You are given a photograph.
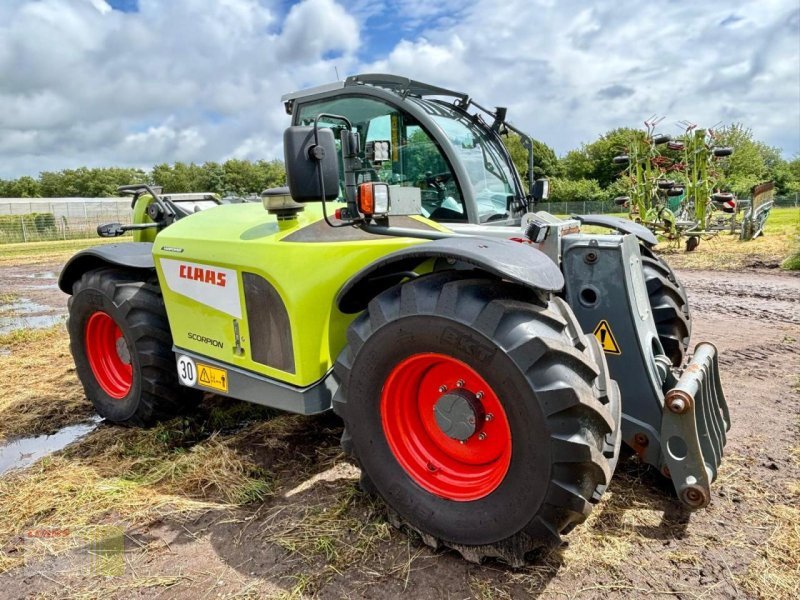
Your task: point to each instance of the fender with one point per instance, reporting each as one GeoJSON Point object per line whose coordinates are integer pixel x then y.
{"type": "Point", "coordinates": [623, 225]}
{"type": "Point", "coordinates": [133, 255]}
{"type": "Point", "coordinates": [509, 260]}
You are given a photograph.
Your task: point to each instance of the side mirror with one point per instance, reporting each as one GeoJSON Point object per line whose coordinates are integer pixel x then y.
{"type": "Point", "coordinates": [541, 189]}
{"type": "Point", "coordinates": [110, 230]}
{"type": "Point", "coordinates": [622, 159]}
{"type": "Point", "coordinates": [661, 138]}
{"type": "Point", "coordinates": [311, 165]}
{"type": "Point", "coordinates": [719, 152]}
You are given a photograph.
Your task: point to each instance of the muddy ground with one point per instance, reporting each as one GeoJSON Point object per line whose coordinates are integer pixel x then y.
{"type": "Point", "coordinates": [315, 535]}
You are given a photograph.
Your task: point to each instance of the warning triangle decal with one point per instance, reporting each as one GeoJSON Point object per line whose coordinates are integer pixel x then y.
{"type": "Point", "coordinates": [205, 378]}
{"type": "Point", "coordinates": [607, 341]}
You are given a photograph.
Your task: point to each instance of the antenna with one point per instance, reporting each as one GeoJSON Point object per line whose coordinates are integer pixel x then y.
{"type": "Point", "coordinates": [336, 70]}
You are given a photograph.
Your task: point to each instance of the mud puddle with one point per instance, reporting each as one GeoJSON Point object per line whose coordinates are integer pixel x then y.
{"type": "Point", "coordinates": [25, 313]}
{"type": "Point", "coordinates": [30, 299]}
{"type": "Point", "coordinates": [23, 452]}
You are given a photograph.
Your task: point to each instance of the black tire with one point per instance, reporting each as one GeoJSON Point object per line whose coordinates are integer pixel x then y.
{"type": "Point", "coordinates": [552, 381]}
{"type": "Point", "coordinates": [670, 306]}
{"type": "Point", "coordinates": [137, 308]}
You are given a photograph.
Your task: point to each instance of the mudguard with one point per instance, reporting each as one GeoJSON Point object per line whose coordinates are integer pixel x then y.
{"type": "Point", "coordinates": [513, 261]}
{"type": "Point", "coordinates": [133, 255]}
{"type": "Point", "coordinates": [621, 225]}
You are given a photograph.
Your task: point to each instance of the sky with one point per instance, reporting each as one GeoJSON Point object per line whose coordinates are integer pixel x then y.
{"type": "Point", "coordinates": [140, 82]}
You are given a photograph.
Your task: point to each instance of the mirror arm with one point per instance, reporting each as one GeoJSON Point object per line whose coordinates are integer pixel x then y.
{"type": "Point", "coordinates": [349, 176]}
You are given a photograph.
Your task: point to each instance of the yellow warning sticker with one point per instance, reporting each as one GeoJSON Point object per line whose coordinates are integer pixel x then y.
{"type": "Point", "coordinates": [212, 377]}
{"type": "Point", "coordinates": [607, 341]}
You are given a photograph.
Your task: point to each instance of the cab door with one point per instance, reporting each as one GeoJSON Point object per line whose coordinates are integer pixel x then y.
{"type": "Point", "coordinates": [410, 155]}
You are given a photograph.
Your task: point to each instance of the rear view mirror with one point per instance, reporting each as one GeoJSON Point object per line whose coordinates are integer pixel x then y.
{"type": "Point", "coordinates": [110, 230]}
{"type": "Point", "coordinates": [311, 164]}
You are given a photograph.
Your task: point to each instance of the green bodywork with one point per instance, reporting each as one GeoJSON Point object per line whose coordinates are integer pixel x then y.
{"type": "Point", "coordinates": [307, 275]}
{"type": "Point", "coordinates": [140, 216]}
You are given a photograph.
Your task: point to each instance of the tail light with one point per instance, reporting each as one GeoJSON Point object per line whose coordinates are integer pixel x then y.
{"type": "Point", "coordinates": [373, 199]}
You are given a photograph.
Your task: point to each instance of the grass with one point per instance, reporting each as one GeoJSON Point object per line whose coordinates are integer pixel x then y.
{"type": "Point", "coordinates": [40, 392]}
{"type": "Point", "coordinates": [127, 478]}
{"type": "Point", "coordinates": [43, 252]}
{"type": "Point", "coordinates": [186, 468]}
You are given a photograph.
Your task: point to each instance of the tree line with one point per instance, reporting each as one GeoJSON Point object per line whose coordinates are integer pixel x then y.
{"type": "Point", "coordinates": [232, 177]}
{"type": "Point", "coordinates": [587, 173]}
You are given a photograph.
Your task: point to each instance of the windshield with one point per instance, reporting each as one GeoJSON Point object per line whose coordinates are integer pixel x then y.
{"type": "Point", "coordinates": [494, 185]}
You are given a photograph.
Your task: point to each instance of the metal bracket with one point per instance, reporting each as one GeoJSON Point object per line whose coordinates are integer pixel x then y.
{"type": "Point", "coordinates": [693, 427]}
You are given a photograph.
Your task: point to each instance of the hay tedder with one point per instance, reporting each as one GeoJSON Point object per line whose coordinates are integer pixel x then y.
{"type": "Point", "coordinates": [674, 188]}
{"type": "Point", "coordinates": [487, 360]}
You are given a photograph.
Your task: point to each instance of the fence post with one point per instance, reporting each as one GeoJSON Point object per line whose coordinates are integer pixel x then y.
{"type": "Point", "coordinates": [22, 223]}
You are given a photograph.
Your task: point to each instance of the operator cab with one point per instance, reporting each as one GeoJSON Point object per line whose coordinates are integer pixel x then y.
{"type": "Point", "coordinates": [412, 139]}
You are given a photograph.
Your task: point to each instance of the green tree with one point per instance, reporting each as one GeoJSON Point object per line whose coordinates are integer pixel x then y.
{"type": "Point", "coordinates": [793, 180]}
{"type": "Point", "coordinates": [545, 161]}
{"type": "Point", "coordinates": [752, 162]}
{"type": "Point", "coordinates": [568, 190]}
{"type": "Point", "coordinates": [576, 164]}
{"type": "Point", "coordinates": [24, 187]}
{"type": "Point", "coordinates": [595, 160]}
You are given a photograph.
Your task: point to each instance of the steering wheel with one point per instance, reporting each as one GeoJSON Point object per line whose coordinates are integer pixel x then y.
{"type": "Point", "coordinates": [439, 180]}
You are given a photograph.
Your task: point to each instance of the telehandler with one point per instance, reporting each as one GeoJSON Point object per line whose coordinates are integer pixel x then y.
{"type": "Point", "coordinates": [487, 360]}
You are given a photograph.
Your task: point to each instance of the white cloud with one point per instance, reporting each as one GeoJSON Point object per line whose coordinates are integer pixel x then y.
{"type": "Point", "coordinates": [201, 79]}
{"type": "Point", "coordinates": [569, 71]}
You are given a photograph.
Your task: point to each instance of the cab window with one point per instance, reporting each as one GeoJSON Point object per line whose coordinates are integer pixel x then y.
{"type": "Point", "coordinates": [410, 157]}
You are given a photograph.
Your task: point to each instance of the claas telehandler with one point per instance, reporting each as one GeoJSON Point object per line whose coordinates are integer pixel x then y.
{"type": "Point", "coordinates": [487, 360]}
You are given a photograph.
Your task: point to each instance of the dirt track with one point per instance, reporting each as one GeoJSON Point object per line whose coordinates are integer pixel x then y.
{"type": "Point", "coordinates": [638, 541]}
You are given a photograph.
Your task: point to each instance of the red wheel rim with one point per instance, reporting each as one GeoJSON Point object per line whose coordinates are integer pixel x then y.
{"type": "Point", "coordinates": [108, 354]}
{"type": "Point", "coordinates": [461, 470]}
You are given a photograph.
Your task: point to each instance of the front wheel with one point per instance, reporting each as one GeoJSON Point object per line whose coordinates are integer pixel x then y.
{"type": "Point", "coordinates": [479, 412]}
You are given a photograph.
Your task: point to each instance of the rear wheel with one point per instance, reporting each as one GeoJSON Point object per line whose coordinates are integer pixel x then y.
{"type": "Point", "coordinates": [669, 304]}
{"type": "Point", "coordinates": [122, 347]}
{"type": "Point", "coordinates": [478, 411]}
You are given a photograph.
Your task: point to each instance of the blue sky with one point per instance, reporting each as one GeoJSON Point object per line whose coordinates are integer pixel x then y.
{"type": "Point", "coordinates": [139, 82]}
{"type": "Point", "coordinates": [124, 5]}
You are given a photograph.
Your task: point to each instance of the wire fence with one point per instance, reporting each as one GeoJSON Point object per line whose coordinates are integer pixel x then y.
{"type": "Point", "coordinates": [40, 219]}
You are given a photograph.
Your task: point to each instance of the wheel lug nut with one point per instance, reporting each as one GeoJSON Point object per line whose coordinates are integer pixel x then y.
{"type": "Point", "coordinates": [479, 395]}
{"type": "Point", "coordinates": [442, 389]}
{"type": "Point", "coordinates": [482, 436]}
{"type": "Point", "coordinates": [460, 383]}
{"type": "Point", "coordinates": [489, 416]}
